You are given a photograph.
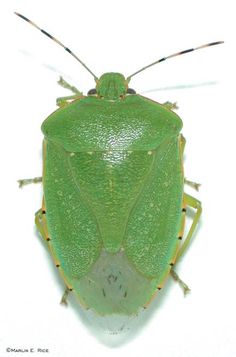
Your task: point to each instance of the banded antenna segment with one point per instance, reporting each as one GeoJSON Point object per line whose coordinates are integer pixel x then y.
{"type": "Point", "coordinates": [175, 55]}
{"type": "Point", "coordinates": [58, 42]}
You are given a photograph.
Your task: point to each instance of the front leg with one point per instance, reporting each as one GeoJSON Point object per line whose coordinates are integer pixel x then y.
{"type": "Point", "coordinates": [66, 85]}
{"type": "Point", "coordinates": [24, 182]}
{"type": "Point", "coordinates": [170, 105]}
{"type": "Point", "coordinates": [62, 101]}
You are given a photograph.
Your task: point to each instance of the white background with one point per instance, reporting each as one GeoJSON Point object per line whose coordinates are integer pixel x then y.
{"type": "Point", "coordinates": [120, 36]}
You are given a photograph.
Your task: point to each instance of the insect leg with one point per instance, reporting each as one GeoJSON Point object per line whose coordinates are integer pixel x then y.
{"type": "Point", "coordinates": [182, 144]}
{"type": "Point", "coordinates": [65, 296]}
{"type": "Point", "coordinates": [66, 85]}
{"type": "Point", "coordinates": [25, 182]}
{"type": "Point", "coordinates": [192, 184]}
{"type": "Point", "coordinates": [170, 105]}
{"type": "Point", "coordinates": [62, 101]}
{"type": "Point", "coordinates": [40, 224]}
{"type": "Point", "coordinates": [193, 203]}
{"type": "Point", "coordinates": [182, 284]}
{"type": "Point", "coordinates": [173, 273]}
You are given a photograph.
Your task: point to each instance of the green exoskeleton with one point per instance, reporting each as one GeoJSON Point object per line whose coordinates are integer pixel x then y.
{"type": "Point", "coordinates": [114, 206]}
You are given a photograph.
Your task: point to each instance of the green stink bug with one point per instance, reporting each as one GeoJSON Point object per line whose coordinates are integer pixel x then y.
{"type": "Point", "coordinates": [114, 205]}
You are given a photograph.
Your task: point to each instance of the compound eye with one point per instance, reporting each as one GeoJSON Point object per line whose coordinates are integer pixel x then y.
{"type": "Point", "coordinates": [131, 91]}
{"type": "Point", "coordinates": [92, 91]}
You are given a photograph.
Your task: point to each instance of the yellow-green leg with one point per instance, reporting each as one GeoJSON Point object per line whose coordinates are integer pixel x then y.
{"type": "Point", "coordinates": [66, 85]}
{"type": "Point", "coordinates": [181, 283]}
{"type": "Point", "coordinates": [25, 182]}
{"type": "Point", "coordinates": [62, 101]}
{"type": "Point", "coordinates": [39, 223]}
{"type": "Point", "coordinates": [192, 184]}
{"type": "Point", "coordinates": [170, 105]}
{"type": "Point", "coordinates": [65, 296]}
{"type": "Point", "coordinates": [193, 203]}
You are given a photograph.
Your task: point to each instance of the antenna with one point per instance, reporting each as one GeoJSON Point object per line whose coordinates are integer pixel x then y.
{"type": "Point", "coordinates": [175, 55]}
{"type": "Point", "coordinates": [59, 43]}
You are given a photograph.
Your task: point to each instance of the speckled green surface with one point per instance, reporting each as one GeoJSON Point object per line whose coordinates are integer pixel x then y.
{"type": "Point", "coordinates": [113, 188]}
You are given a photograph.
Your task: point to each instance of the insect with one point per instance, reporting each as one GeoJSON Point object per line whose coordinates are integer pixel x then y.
{"type": "Point", "coordinates": [114, 206]}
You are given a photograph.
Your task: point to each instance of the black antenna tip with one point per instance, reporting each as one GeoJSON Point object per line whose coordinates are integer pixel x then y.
{"type": "Point", "coordinates": [23, 17]}
{"type": "Point", "coordinates": [216, 43]}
